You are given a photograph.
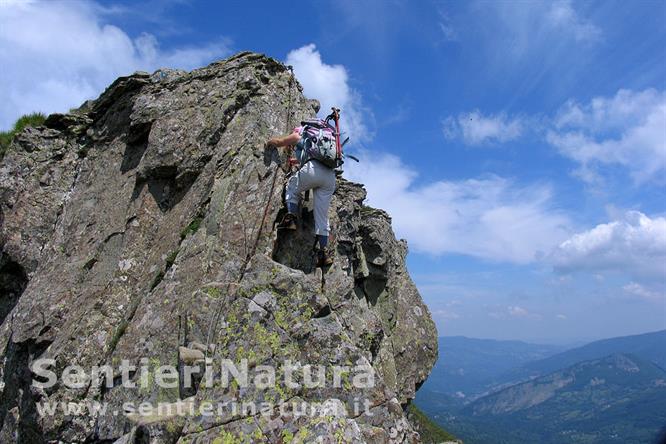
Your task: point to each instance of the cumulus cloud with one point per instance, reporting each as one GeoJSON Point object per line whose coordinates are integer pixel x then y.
{"type": "Point", "coordinates": [62, 53]}
{"type": "Point", "coordinates": [644, 293]}
{"type": "Point", "coordinates": [490, 217]}
{"type": "Point", "coordinates": [628, 129]}
{"type": "Point", "coordinates": [330, 85]}
{"type": "Point", "coordinates": [635, 244]}
{"type": "Point", "coordinates": [475, 129]}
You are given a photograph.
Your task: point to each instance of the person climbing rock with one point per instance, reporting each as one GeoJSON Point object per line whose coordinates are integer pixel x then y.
{"type": "Point", "coordinates": [315, 175]}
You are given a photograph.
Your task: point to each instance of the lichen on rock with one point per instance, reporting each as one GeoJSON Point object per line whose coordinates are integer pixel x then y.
{"type": "Point", "coordinates": [140, 228]}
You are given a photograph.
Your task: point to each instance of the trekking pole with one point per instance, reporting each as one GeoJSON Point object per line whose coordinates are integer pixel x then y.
{"type": "Point", "coordinates": [335, 115]}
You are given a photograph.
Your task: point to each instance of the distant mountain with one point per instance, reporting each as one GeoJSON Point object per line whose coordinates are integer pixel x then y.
{"type": "Point", "coordinates": [648, 346]}
{"type": "Point", "coordinates": [516, 392]}
{"type": "Point", "coordinates": [468, 366]}
{"type": "Point", "coordinates": [618, 398]}
{"type": "Point", "coordinates": [437, 405]}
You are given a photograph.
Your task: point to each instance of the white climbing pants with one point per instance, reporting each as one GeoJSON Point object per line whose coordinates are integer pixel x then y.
{"type": "Point", "coordinates": [319, 178]}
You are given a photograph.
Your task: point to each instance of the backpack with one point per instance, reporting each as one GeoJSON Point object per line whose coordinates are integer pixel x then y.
{"type": "Point", "coordinates": [320, 142]}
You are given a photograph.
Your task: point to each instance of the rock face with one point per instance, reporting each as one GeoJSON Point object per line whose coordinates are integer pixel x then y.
{"type": "Point", "coordinates": [139, 228]}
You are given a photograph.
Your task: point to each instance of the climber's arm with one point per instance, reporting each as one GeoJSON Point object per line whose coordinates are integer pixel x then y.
{"type": "Point", "coordinates": [291, 139]}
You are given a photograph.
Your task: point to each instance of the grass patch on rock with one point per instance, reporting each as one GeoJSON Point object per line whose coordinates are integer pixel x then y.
{"type": "Point", "coordinates": [34, 119]}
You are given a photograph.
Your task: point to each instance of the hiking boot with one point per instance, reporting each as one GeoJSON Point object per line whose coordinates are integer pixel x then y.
{"type": "Point", "coordinates": [288, 222]}
{"type": "Point", "coordinates": [324, 258]}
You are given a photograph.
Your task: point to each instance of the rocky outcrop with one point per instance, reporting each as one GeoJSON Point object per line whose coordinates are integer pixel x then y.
{"type": "Point", "coordinates": [139, 229]}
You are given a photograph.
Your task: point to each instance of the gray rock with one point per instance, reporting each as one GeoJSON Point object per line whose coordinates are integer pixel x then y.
{"type": "Point", "coordinates": [141, 225]}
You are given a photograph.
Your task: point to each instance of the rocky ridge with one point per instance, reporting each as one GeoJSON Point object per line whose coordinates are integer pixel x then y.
{"type": "Point", "coordinates": [140, 227]}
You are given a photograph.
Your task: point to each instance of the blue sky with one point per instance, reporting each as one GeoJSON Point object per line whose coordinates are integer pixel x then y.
{"type": "Point", "coordinates": [519, 146]}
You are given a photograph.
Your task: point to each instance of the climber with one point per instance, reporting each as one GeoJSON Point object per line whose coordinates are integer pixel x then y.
{"type": "Point", "coordinates": [311, 175]}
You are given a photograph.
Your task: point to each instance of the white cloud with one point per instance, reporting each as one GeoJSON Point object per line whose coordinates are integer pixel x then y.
{"type": "Point", "coordinates": [445, 314]}
{"type": "Point", "coordinates": [330, 85]}
{"type": "Point", "coordinates": [538, 29]}
{"type": "Point", "coordinates": [636, 245]}
{"type": "Point", "coordinates": [490, 218]}
{"type": "Point", "coordinates": [514, 311]}
{"type": "Point", "coordinates": [628, 129]}
{"type": "Point", "coordinates": [561, 317]}
{"type": "Point", "coordinates": [450, 34]}
{"type": "Point", "coordinates": [400, 114]}
{"type": "Point", "coordinates": [446, 26]}
{"type": "Point", "coordinates": [644, 293]}
{"type": "Point", "coordinates": [562, 16]}
{"type": "Point", "coordinates": [517, 312]}
{"type": "Point", "coordinates": [63, 53]}
{"type": "Point", "coordinates": [476, 129]}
